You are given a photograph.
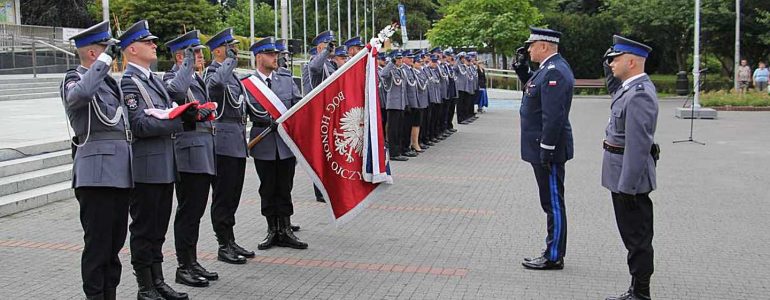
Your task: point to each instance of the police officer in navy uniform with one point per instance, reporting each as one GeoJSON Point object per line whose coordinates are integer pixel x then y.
{"type": "Point", "coordinates": [394, 85]}
{"type": "Point", "coordinates": [153, 163]}
{"type": "Point", "coordinates": [226, 90]}
{"type": "Point", "coordinates": [628, 167]}
{"type": "Point", "coordinates": [411, 112]}
{"type": "Point", "coordinates": [453, 93]}
{"type": "Point", "coordinates": [461, 84]}
{"type": "Point", "coordinates": [102, 176]}
{"type": "Point", "coordinates": [194, 146]}
{"type": "Point", "coordinates": [274, 162]}
{"type": "Point", "coordinates": [546, 138]}
{"type": "Point", "coordinates": [320, 66]}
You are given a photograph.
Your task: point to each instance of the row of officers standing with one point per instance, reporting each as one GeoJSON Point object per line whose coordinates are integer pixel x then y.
{"type": "Point", "coordinates": [129, 161]}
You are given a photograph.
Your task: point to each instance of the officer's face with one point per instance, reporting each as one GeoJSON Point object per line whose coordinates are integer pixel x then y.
{"type": "Point", "coordinates": [354, 50]}
{"type": "Point", "coordinates": [268, 60]}
{"type": "Point", "coordinates": [199, 61]}
{"type": "Point", "coordinates": [399, 61]}
{"type": "Point", "coordinates": [143, 51]}
{"type": "Point", "coordinates": [619, 66]}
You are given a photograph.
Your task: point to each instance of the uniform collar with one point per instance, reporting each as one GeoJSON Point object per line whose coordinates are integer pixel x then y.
{"type": "Point", "coordinates": [264, 77]}
{"type": "Point", "coordinates": [144, 71]}
{"type": "Point", "coordinates": [542, 65]}
{"type": "Point", "coordinates": [627, 82]}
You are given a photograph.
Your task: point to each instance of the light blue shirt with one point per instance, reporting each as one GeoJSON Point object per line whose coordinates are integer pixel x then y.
{"type": "Point", "coordinates": [761, 75]}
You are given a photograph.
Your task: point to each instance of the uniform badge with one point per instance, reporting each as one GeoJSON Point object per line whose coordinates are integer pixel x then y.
{"type": "Point", "coordinates": [552, 83]}
{"type": "Point", "coordinates": [130, 101]}
{"type": "Point", "coordinates": [551, 66]}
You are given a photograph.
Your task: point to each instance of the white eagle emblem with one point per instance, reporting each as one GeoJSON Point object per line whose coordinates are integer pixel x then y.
{"type": "Point", "coordinates": [350, 139]}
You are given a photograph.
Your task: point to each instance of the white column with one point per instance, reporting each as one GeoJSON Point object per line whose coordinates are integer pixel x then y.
{"type": "Point", "coordinates": [696, 59]}
{"type": "Point", "coordinates": [737, 42]}
{"type": "Point", "coordinates": [105, 10]}
{"type": "Point", "coordinates": [304, 28]}
{"type": "Point", "coordinates": [284, 19]}
{"type": "Point", "coordinates": [251, 32]}
{"type": "Point", "coordinates": [275, 22]}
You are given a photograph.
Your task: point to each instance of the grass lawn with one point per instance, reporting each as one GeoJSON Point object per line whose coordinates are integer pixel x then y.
{"type": "Point", "coordinates": [729, 98]}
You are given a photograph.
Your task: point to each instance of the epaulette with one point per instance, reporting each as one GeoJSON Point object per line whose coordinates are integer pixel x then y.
{"type": "Point", "coordinates": [283, 74]}
{"type": "Point", "coordinates": [242, 77]}
{"type": "Point", "coordinates": [550, 66]}
{"type": "Point", "coordinates": [640, 87]}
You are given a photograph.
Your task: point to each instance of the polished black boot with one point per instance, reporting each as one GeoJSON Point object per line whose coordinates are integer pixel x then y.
{"type": "Point", "coordinates": [226, 253]}
{"type": "Point", "coordinates": [202, 272]}
{"type": "Point", "coordinates": [237, 248]}
{"type": "Point", "coordinates": [146, 289]}
{"type": "Point", "coordinates": [185, 274]}
{"type": "Point", "coordinates": [164, 289]}
{"type": "Point", "coordinates": [639, 290]}
{"type": "Point", "coordinates": [272, 234]}
{"type": "Point", "coordinates": [286, 237]}
{"type": "Point", "coordinates": [98, 297]}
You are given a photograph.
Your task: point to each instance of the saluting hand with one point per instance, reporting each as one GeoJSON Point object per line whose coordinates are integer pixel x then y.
{"type": "Point", "coordinates": [232, 53]}
{"type": "Point", "coordinates": [112, 50]}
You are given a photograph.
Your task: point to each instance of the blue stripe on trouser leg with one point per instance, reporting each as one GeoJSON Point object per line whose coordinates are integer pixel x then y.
{"type": "Point", "coordinates": [556, 209]}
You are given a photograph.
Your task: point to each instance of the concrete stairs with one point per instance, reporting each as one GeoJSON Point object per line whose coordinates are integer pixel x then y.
{"type": "Point", "coordinates": [34, 175]}
{"type": "Point", "coordinates": [26, 89]}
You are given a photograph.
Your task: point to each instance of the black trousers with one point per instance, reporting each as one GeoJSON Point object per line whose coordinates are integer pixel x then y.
{"type": "Point", "coordinates": [104, 217]}
{"type": "Point", "coordinates": [406, 129]}
{"type": "Point", "coordinates": [192, 194]}
{"type": "Point", "coordinates": [150, 213]}
{"type": "Point", "coordinates": [462, 107]}
{"type": "Point", "coordinates": [226, 192]}
{"type": "Point", "coordinates": [276, 179]}
{"type": "Point", "coordinates": [451, 112]}
{"type": "Point", "coordinates": [635, 226]}
{"type": "Point", "coordinates": [551, 187]}
{"type": "Point", "coordinates": [444, 114]}
{"type": "Point", "coordinates": [395, 118]}
{"type": "Point", "coordinates": [433, 123]}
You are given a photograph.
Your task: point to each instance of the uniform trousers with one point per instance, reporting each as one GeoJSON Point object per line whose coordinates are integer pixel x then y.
{"type": "Point", "coordinates": [104, 217]}
{"type": "Point", "coordinates": [192, 194]}
{"type": "Point", "coordinates": [226, 192]}
{"type": "Point", "coordinates": [551, 189]}
{"type": "Point", "coordinates": [276, 180]}
{"type": "Point", "coordinates": [395, 118]}
{"type": "Point", "coordinates": [150, 213]}
{"type": "Point", "coordinates": [635, 226]}
{"type": "Point", "coordinates": [426, 127]}
{"type": "Point", "coordinates": [406, 129]}
{"type": "Point", "coordinates": [451, 112]}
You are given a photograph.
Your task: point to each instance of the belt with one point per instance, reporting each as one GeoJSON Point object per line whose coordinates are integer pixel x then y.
{"type": "Point", "coordinates": [612, 149]}
{"type": "Point", "coordinates": [211, 130]}
{"type": "Point", "coordinates": [107, 135]}
{"type": "Point", "coordinates": [241, 120]}
{"type": "Point", "coordinates": [260, 124]}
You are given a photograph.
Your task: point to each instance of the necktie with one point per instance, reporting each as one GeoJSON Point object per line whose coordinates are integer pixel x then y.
{"type": "Point", "coordinates": [269, 82]}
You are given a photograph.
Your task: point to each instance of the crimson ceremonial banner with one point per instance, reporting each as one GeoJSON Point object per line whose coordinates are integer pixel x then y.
{"type": "Point", "coordinates": [327, 132]}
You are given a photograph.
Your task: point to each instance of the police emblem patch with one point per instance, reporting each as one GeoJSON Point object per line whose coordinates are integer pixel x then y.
{"type": "Point", "coordinates": [130, 101]}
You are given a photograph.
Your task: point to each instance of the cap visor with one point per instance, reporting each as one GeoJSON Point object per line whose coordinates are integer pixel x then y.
{"type": "Point", "coordinates": [233, 42]}
{"type": "Point", "coordinates": [109, 42]}
{"type": "Point", "coordinates": [614, 54]}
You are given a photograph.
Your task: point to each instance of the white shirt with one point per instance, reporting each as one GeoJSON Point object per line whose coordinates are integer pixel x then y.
{"type": "Point", "coordinates": [264, 77]}
{"type": "Point", "coordinates": [627, 81]}
{"type": "Point", "coordinates": [144, 70]}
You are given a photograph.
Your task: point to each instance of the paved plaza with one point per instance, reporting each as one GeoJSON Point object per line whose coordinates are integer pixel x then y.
{"type": "Point", "coordinates": [459, 219]}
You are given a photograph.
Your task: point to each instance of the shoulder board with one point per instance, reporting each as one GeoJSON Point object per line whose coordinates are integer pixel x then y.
{"type": "Point", "coordinates": [71, 75]}
{"type": "Point", "coordinates": [550, 66]}
{"type": "Point", "coordinates": [640, 87]}
{"type": "Point", "coordinates": [242, 77]}
{"type": "Point", "coordinates": [285, 74]}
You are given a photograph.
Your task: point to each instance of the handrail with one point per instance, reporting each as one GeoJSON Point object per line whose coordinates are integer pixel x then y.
{"type": "Point", "coordinates": [56, 48]}
{"type": "Point", "coordinates": [34, 42]}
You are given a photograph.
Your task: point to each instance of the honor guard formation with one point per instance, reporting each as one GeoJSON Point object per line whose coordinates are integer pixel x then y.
{"type": "Point", "coordinates": [131, 155]}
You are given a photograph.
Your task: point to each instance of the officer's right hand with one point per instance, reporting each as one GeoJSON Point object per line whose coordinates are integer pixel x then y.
{"type": "Point", "coordinates": [605, 57]}
{"type": "Point", "coordinates": [629, 201]}
{"type": "Point", "coordinates": [112, 50]}
{"type": "Point", "coordinates": [203, 114]}
{"type": "Point", "coordinates": [189, 54]}
{"type": "Point", "coordinates": [190, 114]}
{"type": "Point", "coordinates": [522, 58]}
{"type": "Point", "coordinates": [232, 53]}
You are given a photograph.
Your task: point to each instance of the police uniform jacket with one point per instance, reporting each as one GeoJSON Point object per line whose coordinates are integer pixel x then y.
{"type": "Point", "coordinates": [272, 146]}
{"type": "Point", "coordinates": [461, 77]}
{"type": "Point", "coordinates": [421, 77]}
{"type": "Point", "coordinates": [632, 124]}
{"type": "Point", "coordinates": [444, 78]}
{"type": "Point", "coordinates": [100, 162]}
{"type": "Point", "coordinates": [452, 92]}
{"type": "Point", "coordinates": [544, 112]}
{"type": "Point", "coordinates": [195, 148]}
{"type": "Point", "coordinates": [472, 80]}
{"type": "Point", "coordinates": [434, 92]}
{"type": "Point", "coordinates": [307, 86]}
{"type": "Point", "coordinates": [225, 89]}
{"type": "Point", "coordinates": [320, 67]}
{"type": "Point", "coordinates": [153, 148]}
{"type": "Point", "coordinates": [381, 87]}
{"type": "Point", "coordinates": [410, 80]}
{"type": "Point", "coordinates": [394, 84]}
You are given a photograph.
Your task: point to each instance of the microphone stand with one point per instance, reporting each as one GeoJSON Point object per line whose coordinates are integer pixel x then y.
{"type": "Point", "coordinates": [692, 112]}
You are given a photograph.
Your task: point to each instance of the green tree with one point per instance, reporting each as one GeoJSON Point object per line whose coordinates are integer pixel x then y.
{"type": "Point", "coordinates": [69, 13]}
{"type": "Point", "coordinates": [585, 39]}
{"type": "Point", "coordinates": [498, 26]}
{"type": "Point", "coordinates": [238, 18]}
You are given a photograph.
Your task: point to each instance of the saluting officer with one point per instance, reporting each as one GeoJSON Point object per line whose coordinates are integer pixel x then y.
{"type": "Point", "coordinates": [319, 66]}
{"type": "Point", "coordinates": [461, 84]}
{"type": "Point", "coordinates": [381, 62]}
{"type": "Point", "coordinates": [274, 162]}
{"type": "Point", "coordinates": [340, 56]}
{"type": "Point", "coordinates": [411, 113]}
{"type": "Point", "coordinates": [283, 53]}
{"type": "Point", "coordinates": [628, 167]}
{"type": "Point", "coordinates": [393, 81]}
{"type": "Point", "coordinates": [307, 84]}
{"type": "Point", "coordinates": [546, 138]}
{"type": "Point", "coordinates": [102, 175]}
{"type": "Point", "coordinates": [194, 148]}
{"type": "Point", "coordinates": [226, 90]}
{"type": "Point", "coordinates": [153, 162]}
{"type": "Point", "coordinates": [452, 90]}
{"type": "Point", "coordinates": [354, 45]}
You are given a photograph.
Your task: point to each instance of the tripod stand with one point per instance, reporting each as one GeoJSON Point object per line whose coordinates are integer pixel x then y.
{"type": "Point", "coordinates": [692, 110]}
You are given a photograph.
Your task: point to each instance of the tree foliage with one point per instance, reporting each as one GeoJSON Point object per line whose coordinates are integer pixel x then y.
{"type": "Point", "coordinates": [238, 18]}
{"type": "Point", "coordinates": [57, 13]}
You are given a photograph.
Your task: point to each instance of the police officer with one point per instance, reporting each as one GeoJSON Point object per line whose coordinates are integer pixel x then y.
{"type": "Point", "coordinates": [273, 160]}
{"type": "Point", "coordinates": [434, 97]}
{"type": "Point", "coordinates": [411, 113]}
{"type": "Point", "coordinates": [393, 81]}
{"type": "Point", "coordinates": [153, 162]}
{"type": "Point", "coordinates": [319, 66]}
{"type": "Point", "coordinates": [628, 167]}
{"type": "Point", "coordinates": [381, 62]}
{"type": "Point", "coordinates": [340, 56]}
{"type": "Point", "coordinates": [423, 100]}
{"type": "Point", "coordinates": [461, 84]}
{"type": "Point", "coordinates": [307, 84]}
{"type": "Point", "coordinates": [546, 138]}
{"type": "Point", "coordinates": [453, 93]}
{"type": "Point", "coordinates": [283, 56]}
{"type": "Point", "coordinates": [226, 90]}
{"type": "Point", "coordinates": [195, 158]}
{"type": "Point", "coordinates": [102, 176]}
{"type": "Point", "coordinates": [354, 45]}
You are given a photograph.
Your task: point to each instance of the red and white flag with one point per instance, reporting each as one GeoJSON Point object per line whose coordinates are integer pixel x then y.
{"type": "Point", "coordinates": [265, 96]}
{"type": "Point", "coordinates": [335, 133]}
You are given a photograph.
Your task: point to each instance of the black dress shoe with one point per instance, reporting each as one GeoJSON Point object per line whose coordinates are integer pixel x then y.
{"type": "Point", "coordinates": [410, 154]}
{"type": "Point", "coordinates": [418, 151]}
{"type": "Point", "coordinates": [464, 123]}
{"type": "Point", "coordinates": [185, 275]}
{"type": "Point", "coordinates": [628, 295]}
{"type": "Point", "coordinates": [198, 269]}
{"type": "Point", "coordinates": [426, 145]}
{"type": "Point", "coordinates": [398, 158]}
{"type": "Point", "coordinates": [542, 263]}
{"type": "Point", "coordinates": [542, 254]}
{"type": "Point", "coordinates": [435, 140]}
{"type": "Point", "coordinates": [296, 227]}
{"type": "Point", "coordinates": [227, 254]}
{"type": "Point", "coordinates": [240, 250]}
{"type": "Point", "coordinates": [452, 130]}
